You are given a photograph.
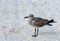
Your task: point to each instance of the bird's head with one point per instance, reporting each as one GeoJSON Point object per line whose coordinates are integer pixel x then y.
{"type": "Point", "coordinates": [30, 16]}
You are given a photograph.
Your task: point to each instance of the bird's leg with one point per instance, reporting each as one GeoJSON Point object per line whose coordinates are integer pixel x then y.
{"type": "Point", "coordinates": [37, 31]}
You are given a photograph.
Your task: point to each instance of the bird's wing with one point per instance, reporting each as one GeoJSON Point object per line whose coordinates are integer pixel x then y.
{"type": "Point", "coordinates": [39, 21]}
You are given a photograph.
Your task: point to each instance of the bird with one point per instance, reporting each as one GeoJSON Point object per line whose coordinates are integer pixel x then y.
{"type": "Point", "coordinates": [38, 22]}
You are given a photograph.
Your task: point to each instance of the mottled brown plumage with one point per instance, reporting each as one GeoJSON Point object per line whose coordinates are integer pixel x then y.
{"type": "Point", "coordinates": [38, 23]}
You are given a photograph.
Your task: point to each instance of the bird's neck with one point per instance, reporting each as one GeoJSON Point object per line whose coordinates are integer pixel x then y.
{"type": "Point", "coordinates": [31, 18]}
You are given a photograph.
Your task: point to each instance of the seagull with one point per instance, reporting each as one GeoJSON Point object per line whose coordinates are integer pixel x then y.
{"type": "Point", "coordinates": [38, 22]}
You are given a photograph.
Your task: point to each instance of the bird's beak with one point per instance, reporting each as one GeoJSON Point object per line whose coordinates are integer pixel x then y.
{"type": "Point", "coordinates": [26, 17]}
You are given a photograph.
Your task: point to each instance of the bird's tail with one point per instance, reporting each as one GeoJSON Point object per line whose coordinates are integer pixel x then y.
{"type": "Point", "coordinates": [50, 21]}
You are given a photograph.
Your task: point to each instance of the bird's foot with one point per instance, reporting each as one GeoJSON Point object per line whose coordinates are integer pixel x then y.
{"type": "Point", "coordinates": [34, 35]}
